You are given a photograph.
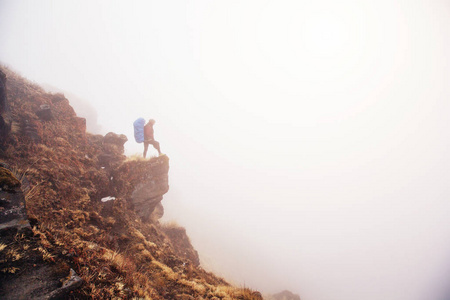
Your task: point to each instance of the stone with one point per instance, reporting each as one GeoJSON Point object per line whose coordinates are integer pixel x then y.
{"type": "Point", "coordinates": [45, 112]}
{"type": "Point", "coordinates": [146, 181]}
{"type": "Point", "coordinates": [41, 283]}
{"type": "Point", "coordinates": [72, 283]}
{"type": "Point", "coordinates": [13, 215]}
{"type": "Point", "coordinates": [149, 192]}
{"type": "Point", "coordinates": [117, 139]}
{"type": "Point", "coordinates": [112, 149]}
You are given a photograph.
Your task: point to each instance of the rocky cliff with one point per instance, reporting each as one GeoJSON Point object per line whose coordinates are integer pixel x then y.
{"type": "Point", "coordinates": [79, 219]}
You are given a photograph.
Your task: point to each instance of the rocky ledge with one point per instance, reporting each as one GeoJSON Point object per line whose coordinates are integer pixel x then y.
{"type": "Point", "coordinates": [146, 182]}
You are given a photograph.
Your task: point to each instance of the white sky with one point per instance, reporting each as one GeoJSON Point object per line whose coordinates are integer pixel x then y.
{"type": "Point", "coordinates": [308, 139]}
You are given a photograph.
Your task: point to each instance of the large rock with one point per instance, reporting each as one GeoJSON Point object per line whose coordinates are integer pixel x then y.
{"type": "Point", "coordinates": [149, 193]}
{"type": "Point", "coordinates": [113, 150]}
{"type": "Point", "coordinates": [45, 112]}
{"type": "Point", "coordinates": [146, 181]}
{"type": "Point", "coordinates": [13, 216]}
{"type": "Point", "coordinates": [42, 281]}
{"type": "Point", "coordinates": [117, 140]}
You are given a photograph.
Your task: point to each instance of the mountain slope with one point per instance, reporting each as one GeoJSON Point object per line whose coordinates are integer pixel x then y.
{"type": "Point", "coordinates": [80, 245]}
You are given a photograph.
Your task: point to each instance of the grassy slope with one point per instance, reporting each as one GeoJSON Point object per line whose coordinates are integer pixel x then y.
{"type": "Point", "coordinates": [112, 250]}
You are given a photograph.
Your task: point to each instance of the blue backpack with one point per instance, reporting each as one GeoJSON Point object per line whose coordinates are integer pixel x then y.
{"type": "Point", "coordinates": [139, 130]}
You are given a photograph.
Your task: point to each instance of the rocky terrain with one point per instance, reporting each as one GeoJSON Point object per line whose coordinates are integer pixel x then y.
{"type": "Point", "coordinates": [78, 219]}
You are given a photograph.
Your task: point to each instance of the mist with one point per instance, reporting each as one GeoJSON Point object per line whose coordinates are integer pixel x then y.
{"type": "Point", "coordinates": [308, 141]}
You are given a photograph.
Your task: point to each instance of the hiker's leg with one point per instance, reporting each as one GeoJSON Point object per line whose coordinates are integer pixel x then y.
{"type": "Point", "coordinates": [156, 145]}
{"type": "Point", "coordinates": [145, 148]}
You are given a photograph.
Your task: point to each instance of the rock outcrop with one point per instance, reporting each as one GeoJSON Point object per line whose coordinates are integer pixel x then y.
{"type": "Point", "coordinates": [118, 140]}
{"type": "Point", "coordinates": [147, 182]}
{"type": "Point", "coordinates": [149, 193]}
{"type": "Point", "coordinates": [13, 215]}
{"type": "Point", "coordinates": [112, 150]}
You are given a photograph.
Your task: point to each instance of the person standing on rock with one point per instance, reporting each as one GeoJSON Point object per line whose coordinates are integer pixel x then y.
{"type": "Point", "coordinates": [149, 138]}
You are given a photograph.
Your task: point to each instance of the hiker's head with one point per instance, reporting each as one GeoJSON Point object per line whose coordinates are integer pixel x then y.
{"type": "Point", "coordinates": [151, 121]}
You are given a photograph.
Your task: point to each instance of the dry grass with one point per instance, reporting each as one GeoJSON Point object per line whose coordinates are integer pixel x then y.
{"type": "Point", "coordinates": [165, 270]}
{"type": "Point", "coordinates": [198, 287]}
{"type": "Point", "coordinates": [136, 157]}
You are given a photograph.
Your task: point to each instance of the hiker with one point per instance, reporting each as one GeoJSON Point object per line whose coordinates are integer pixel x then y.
{"type": "Point", "coordinates": [149, 138]}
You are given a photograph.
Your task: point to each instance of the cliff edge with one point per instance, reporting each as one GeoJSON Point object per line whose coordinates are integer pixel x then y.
{"type": "Point", "coordinates": [78, 219]}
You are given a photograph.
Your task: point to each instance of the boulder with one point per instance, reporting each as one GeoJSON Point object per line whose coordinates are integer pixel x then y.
{"type": "Point", "coordinates": [41, 281]}
{"type": "Point", "coordinates": [72, 283]}
{"type": "Point", "coordinates": [116, 139]}
{"type": "Point", "coordinates": [45, 112]}
{"type": "Point", "coordinates": [13, 215]}
{"type": "Point", "coordinates": [146, 181]}
{"type": "Point", "coordinates": [113, 148]}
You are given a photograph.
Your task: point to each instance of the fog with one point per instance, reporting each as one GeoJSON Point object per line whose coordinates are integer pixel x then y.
{"type": "Point", "coordinates": [308, 140]}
